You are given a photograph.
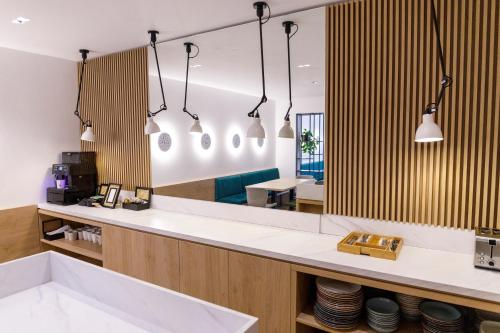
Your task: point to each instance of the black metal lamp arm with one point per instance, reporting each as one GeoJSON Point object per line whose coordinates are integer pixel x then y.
{"type": "Point", "coordinates": [259, 6]}
{"type": "Point", "coordinates": [446, 80]}
{"type": "Point", "coordinates": [288, 29]}
{"type": "Point", "coordinates": [77, 108]}
{"type": "Point", "coordinates": [163, 107]}
{"type": "Point", "coordinates": [188, 58]}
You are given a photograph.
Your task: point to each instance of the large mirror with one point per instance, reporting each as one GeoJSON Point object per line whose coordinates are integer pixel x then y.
{"type": "Point", "coordinates": [222, 164]}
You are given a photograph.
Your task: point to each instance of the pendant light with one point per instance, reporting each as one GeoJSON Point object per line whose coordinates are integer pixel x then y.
{"type": "Point", "coordinates": [88, 133]}
{"type": "Point", "coordinates": [429, 131]}
{"type": "Point", "coordinates": [256, 130]}
{"type": "Point", "coordinates": [287, 131]}
{"type": "Point", "coordinates": [196, 128]}
{"type": "Point", "coordinates": [151, 126]}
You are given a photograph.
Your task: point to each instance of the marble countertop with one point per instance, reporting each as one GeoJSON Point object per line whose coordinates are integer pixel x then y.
{"type": "Point", "coordinates": [50, 292]}
{"type": "Point", "coordinates": [431, 269]}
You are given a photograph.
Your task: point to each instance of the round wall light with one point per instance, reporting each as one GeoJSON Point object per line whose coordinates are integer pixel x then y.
{"type": "Point", "coordinates": [260, 142]}
{"type": "Point", "coordinates": [206, 141]}
{"type": "Point", "coordinates": [236, 141]}
{"type": "Point", "coordinates": [164, 142]}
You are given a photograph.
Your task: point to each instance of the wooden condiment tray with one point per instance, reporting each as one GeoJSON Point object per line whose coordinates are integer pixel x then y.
{"type": "Point", "coordinates": [385, 247]}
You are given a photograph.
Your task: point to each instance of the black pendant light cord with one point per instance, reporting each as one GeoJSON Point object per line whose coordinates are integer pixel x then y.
{"type": "Point", "coordinates": [163, 107]}
{"type": "Point", "coordinates": [189, 57]}
{"type": "Point", "coordinates": [77, 108]}
{"type": "Point", "coordinates": [259, 6]}
{"type": "Point", "coordinates": [446, 80]}
{"type": "Point", "coordinates": [288, 30]}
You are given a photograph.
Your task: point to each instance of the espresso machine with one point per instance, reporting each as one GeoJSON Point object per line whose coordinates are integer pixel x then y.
{"type": "Point", "coordinates": [75, 177]}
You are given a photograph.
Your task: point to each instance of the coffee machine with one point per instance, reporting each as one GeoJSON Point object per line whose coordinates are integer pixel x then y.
{"type": "Point", "coordinates": [76, 178]}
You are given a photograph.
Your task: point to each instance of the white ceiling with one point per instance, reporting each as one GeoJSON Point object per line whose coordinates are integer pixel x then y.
{"type": "Point", "coordinates": [60, 27]}
{"type": "Point", "coordinates": [230, 58]}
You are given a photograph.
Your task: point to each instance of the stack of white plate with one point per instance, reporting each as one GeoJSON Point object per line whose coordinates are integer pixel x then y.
{"type": "Point", "coordinates": [440, 317]}
{"type": "Point", "coordinates": [338, 304]}
{"type": "Point", "coordinates": [410, 306]}
{"type": "Point", "coordinates": [382, 314]}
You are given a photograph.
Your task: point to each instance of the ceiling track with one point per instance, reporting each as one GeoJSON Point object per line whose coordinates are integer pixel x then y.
{"type": "Point", "coordinates": [249, 21]}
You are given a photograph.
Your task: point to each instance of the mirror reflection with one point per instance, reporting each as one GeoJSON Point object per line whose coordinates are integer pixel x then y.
{"type": "Point", "coordinates": [211, 147]}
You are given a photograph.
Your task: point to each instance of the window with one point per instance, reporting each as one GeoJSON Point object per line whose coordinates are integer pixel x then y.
{"type": "Point", "coordinates": [310, 149]}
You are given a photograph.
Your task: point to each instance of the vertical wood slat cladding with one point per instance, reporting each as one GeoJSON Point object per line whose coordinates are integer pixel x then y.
{"type": "Point", "coordinates": [115, 98]}
{"type": "Point", "coordinates": [382, 69]}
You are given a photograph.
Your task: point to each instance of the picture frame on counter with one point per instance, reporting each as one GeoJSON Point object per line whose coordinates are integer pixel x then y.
{"type": "Point", "coordinates": [112, 195]}
{"type": "Point", "coordinates": [103, 189]}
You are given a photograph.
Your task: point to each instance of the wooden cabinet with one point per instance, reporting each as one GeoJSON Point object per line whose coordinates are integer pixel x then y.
{"type": "Point", "coordinates": [142, 255]}
{"type": "Point", "coordinates": [204, 272]}
{"type": "Point", "coordinates": [261, 287]}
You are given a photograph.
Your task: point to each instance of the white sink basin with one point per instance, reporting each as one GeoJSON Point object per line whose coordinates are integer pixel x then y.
{"type": "Point", "coordinates": [50, 292]}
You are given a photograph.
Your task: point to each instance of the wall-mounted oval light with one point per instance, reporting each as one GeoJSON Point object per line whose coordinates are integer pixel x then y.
{"type": "Point", "coordinates": [164, 142]}
{"type": "Point", "coordinates": [236, 141]}
{"type": "Point", "coordinates": [206, 141]}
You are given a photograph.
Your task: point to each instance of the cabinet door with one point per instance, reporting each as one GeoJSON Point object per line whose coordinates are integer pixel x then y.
{"type": "Point", "coordinates": [204, 272]}
{"type": "Point", "coordinates": [261, 287]}
{"type": "Point", "coordinates": [141, 255]}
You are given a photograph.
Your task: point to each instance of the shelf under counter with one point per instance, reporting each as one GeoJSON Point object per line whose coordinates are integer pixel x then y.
{"type": "Point", "coordinates": [82, 247]}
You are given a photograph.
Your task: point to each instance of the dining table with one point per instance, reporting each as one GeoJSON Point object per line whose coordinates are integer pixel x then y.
{"type": "Point", "coordinates": [280, 185]}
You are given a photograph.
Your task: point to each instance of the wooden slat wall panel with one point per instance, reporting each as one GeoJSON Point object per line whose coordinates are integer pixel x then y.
{"type": "Point", "coordinates": [382, 69]}
{"type": "Point", "coordinates": [115, 98]}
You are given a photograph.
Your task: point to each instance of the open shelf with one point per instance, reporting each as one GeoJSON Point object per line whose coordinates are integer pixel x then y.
{"type": "Point", "coordinates": [307, 318]}
{"type": "Point", "coordinates": [84, 248]}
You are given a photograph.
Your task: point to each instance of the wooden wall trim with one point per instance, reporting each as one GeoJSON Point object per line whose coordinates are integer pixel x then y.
{"type": "Point", "coordinates": [115, 98]}
{"type": "Point", "coordinates": [19, 235]}
{"type": "Point", "coordinates": [199, 190]}
{"type": "Point", "coordinates": [381, 71]}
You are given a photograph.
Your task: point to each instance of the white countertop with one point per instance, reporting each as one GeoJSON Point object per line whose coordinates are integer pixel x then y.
{"type": "Point", "coordinates": [431, 269]}
{"type": "Point", "coordinates": [51, 292]}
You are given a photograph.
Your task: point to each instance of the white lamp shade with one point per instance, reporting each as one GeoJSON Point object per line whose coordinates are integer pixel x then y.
{"type": "Point", "coordinates": [286, 131]}
{"type": "Point", "coordinates": [428, 131]}
{"type": "Point", "coordinates": [88, 134]}
{"type": "Point", "coordinates": [196, 128]}
{"type": "Point", "coordinates": [256, 130]}
{"type": "Point", "coordinates": [151, 126]}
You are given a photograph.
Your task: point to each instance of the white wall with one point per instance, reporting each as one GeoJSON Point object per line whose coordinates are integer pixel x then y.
{"type": "Point", "coordinates": [222, 113]}
{"type": "Point", "coordinates": [37, 96]}
{"type": "Point", "coordinates": [285, 148]}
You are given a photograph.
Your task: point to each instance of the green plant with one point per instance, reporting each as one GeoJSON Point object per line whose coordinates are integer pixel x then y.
{"type": "Point", "coordinates": [308, 142]}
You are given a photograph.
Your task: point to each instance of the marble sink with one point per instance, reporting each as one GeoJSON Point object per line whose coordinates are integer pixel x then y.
{"type": "Point", "coordinates": [51, 292]}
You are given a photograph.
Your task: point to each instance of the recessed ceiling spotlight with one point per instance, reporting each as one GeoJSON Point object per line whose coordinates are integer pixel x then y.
{"type": "Point", "coordinates": [315, 82]}
{"type": "Point", "coordinates": [20, 20]}
{"type": "Point", "coordinates": [304, 66]}
{"type": "Point", "coordinates": [196, 66]}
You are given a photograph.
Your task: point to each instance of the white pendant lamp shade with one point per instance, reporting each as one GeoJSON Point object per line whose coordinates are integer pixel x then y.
{"type": "Point", "coordinates": [151, 126]}
{"type": "Point", "coordinates": [196, 128]}
{"type": "Point", "coordinates": [256, 130]}
{"type": "Point", "coordinates": [428, 131]}
{"type": "Point", "coordinates": [286, 131]}
{"type": "Point", "coordinates": [88, 134]}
